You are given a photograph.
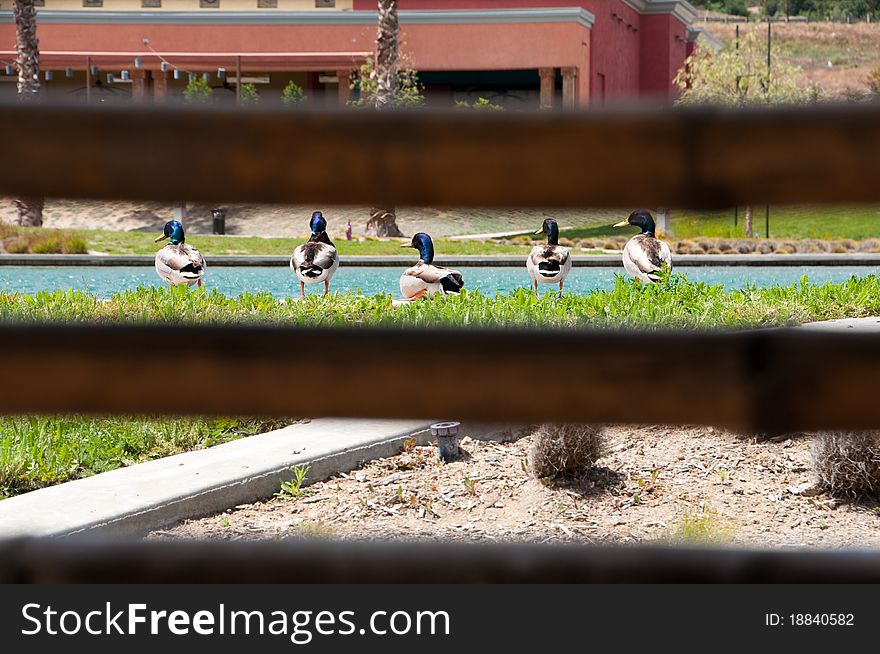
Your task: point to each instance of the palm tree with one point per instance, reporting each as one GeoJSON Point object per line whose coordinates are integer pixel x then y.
{"type": "Point", "coordinates": [383, 221]}
{"type": "Point", "coordinates": [30, 210]}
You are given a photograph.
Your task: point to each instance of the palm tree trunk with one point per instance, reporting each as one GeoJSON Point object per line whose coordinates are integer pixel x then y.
{"type": "Point", "coordinates": [387, 54]}
{"type": "Point", "coordinates": [30, 210]}
{"type": "Point", "coordinates": [749, 223]}
{"type": "Point", "coordinates": [383, 221]}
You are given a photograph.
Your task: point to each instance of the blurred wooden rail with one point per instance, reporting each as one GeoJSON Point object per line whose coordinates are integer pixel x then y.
{"type": "Point", "coordinates": [673, 158]}
{"type": "Point", "coordinates": [772, 380]}
{"type": "Point", "coordinates": [86, 560]}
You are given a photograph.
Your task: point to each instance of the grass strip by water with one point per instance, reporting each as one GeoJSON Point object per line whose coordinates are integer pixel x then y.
{"type": "Point", "coordinates": [677, 304]}
{"type": "Point", "coordinates": [39, 451]}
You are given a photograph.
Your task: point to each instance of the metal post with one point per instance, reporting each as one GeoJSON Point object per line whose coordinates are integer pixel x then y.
{"type": "Point", "coordinates": [238, 80]}
{"type": "Point", "coordinates": [88, 79]}
{"type": "Point", "coordinates": [735, 215]}
{"type": "Point", "coordinates": [767, 221]}
{"type": "Point", "coordinates": [769, 26]}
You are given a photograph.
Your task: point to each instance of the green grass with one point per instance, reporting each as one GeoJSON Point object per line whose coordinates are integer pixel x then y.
{"type": "Point", "coordinates": [702, 527]}
{"type": "Point", "coordinates": [142, 243]}
{"type": "Point", "coordinates": [19, 240]}
{"type": "Point", "coordinates": [680, 303]}
{"type": "Point", "coordinates": [44, 450]}
{"type": "Point", "coordinates": [855, 223]}
{"type": "Point", "coordinates": [40, 451]}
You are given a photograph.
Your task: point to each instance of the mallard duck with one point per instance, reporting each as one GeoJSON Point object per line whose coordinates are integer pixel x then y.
{"type": "Point", "coordinates": [644, 254]}
{"type": "Point", "coordinates": [178, 262]}
{"type": "Point", "coordinates": [316, 260]}
{"type": "Point", "coordinates": [549, 264]}
{"type": "Point", "coordinates": [425, 276]}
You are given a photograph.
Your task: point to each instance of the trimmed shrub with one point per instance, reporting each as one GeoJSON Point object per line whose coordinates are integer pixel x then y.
{"type": "Point", "coordinates": [848, 462]}
{"type": "Point", "coordinates": [565, 450]}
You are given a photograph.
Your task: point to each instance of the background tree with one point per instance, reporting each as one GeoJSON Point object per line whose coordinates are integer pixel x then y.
{"type": "Point", "coordinates": [293, 95]}
{"type": "Point", "coordinates": [30, 210]}
{"type": "Point", "coordinates": [249, 94]}
{"type": "Point", "coordinates": [383, 220]}
{"type": "Point", "coordinates": [199, 91]}
{"type": "Point", "coordinates": [739, 76]}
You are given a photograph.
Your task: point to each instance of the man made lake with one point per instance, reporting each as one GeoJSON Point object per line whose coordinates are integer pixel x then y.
{"type": "Point", "coordinates": [280, 282]}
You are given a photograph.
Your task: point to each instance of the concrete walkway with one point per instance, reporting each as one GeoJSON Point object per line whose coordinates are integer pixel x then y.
{"type": "Point", "coordinates": [134, 500]}
{"type": "Point", "coordinates": [850, 325]}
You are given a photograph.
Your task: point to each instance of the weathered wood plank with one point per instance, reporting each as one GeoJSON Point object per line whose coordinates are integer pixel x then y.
{"type": "Point", "coordinates": [773, 380]}
{"type": "Point", "coordinates": [675, 158]}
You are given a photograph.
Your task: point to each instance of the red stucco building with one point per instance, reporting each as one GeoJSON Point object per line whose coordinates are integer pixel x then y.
{"type": "Point", "coordinates": [521, 53]}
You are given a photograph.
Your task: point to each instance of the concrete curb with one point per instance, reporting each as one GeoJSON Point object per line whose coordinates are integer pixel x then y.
{"type": "Point", "coordinates": [506, 261]}
{"type": "Point", "coordinates": [132, 501]}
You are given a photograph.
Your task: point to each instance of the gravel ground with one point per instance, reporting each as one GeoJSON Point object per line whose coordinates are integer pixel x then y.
{"type": "Point", "coordinates": [654, 484]}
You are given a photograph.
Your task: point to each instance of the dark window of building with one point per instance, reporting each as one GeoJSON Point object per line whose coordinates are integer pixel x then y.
{"type": "Point", "coordinates": [93, 3]}
{"type": "Point", "coordinates": [151, 4]}
{"type": "Point", "coordinates": [325, 3]}
{"type": "Point", "coordinates": [209, 4]}
{"type": "Point", "coordinates": [267, 4]}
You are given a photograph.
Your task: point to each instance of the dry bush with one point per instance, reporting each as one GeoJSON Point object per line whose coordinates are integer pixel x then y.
{"type": "Point", "coordinates": [785, 250]}
{"type": "Point", "coordinates": [848, 462]}
{"type": "Point", "coordinates": [714, 251]}
{"type": "Point", "coordinates": [744, 246]}
{"type": "Point", "coordinates": [565, 450]}
{"type": "Point", "coordinates": [870, 245]}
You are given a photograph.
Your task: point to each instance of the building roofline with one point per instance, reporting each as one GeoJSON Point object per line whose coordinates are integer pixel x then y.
{"type": "Point", "coordinates": [713, 42]}
{"type": "Point", "coordinates": [681, 9]}
{"type": "Point", "coordinates": [270, 17]}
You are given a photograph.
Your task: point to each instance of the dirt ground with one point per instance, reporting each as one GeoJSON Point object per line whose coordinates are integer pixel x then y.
{"type": "Point", "coordinates": [654, 484]}
{"type": "Point", "coordinates": [288, 221]}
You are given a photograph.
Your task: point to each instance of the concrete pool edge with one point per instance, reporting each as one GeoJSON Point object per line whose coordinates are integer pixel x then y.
{"type": "Point", "coordinates": [469, 260]}
{"type": "Point", "coordinates": [137, 499]}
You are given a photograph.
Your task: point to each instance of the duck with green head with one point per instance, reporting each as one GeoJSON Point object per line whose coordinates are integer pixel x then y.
{"type": "Point", "coordinates": [426, 277]}
{"type": "Point", "coordinates": [549, 264]}
{"type": "Point", "coordinates": [316, 260]}
{"type": "Point", "coordinates": [179, 262]}
{"type": "Point", "coordinates": [644, 255]}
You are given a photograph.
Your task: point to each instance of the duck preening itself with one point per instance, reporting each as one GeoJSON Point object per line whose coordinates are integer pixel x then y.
{"type": "Point", "coordinates": [549, 264]}
{"type": "Point", "coordinates": [316, 260]}
{"type": "Point", "coordinates": [178, 262]}
{"type": "Point", "coordinates": [644, 254]}
{"type": "Point", "coordinates": [425, 277]}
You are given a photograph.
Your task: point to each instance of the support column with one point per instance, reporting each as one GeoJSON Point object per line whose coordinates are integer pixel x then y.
{"type": "Point", "coordinates": [344, 90]}
{"type": "Point", "coordinates": [140, 82]}
{"type": "Point", "coordinates": [569, 88]}
{"type": "Point", "coordinates": [160, 86]}
{"type": "Point", "coordinates": [548, 87]}
{"type": "Point", "coordinates": [662, 221]}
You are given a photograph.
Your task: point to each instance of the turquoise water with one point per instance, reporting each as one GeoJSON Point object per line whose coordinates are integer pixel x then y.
{"type": "Point", "coordinates": [104, 281]}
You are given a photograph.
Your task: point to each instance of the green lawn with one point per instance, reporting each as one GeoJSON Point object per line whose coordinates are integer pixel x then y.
{"type": "Point", "coordinates": [142, 243]}
{"type": "Point", "coordinates": [680, 303]}
{"type": "Point", "coordinates": [41, 451]}
{"type": "Point", "coordinates": [855, 223]}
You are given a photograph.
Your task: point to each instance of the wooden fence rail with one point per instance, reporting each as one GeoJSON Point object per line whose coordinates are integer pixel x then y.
{"type": "Point", "coordinates": [759, 381]}
{"type": "Point", "coordinates": [155, 562]}
{"type": "Point", "coordinates": [627, 158]}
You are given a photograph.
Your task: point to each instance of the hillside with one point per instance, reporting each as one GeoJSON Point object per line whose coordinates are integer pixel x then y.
{"type": "Point", "coordinates": [837, 56]}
